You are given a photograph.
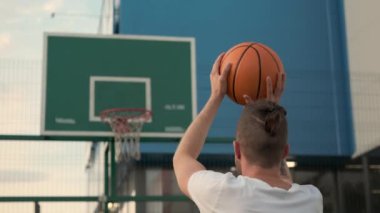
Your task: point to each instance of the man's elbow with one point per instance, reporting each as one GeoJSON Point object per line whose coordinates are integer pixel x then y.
{"type": "Point", "coordinates": [176, 160]}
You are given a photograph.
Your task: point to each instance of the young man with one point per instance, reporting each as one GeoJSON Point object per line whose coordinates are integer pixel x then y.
{"type": "Point", "coordinates": [265, 184]}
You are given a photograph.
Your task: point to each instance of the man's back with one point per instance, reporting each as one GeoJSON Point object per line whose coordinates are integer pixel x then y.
{"type": "Point", "coordinates": [217, 192]}
{"type": "Point", "coordinates": [260, 150]}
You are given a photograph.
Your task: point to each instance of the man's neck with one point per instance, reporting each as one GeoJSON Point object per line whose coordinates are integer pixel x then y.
{"type": "Point", "coordinates": [272, 176]}
{"type": "Point", "coordinates": [255, 171]}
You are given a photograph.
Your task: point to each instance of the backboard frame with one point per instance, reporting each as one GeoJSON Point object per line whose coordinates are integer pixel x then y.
{"type": "Point", "coordinates": [92, 116]}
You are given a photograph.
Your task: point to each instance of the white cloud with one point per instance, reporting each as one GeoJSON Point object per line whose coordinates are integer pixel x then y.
{"type": "Point", "coordinates": [28, 10]}
{"type": "Point", "coordinates": [5, 40]}
{"type": "Point", "coordinates": [5, 44]}
{"type": "Point", "coordinates": [52, 5]}
{"type": "Point", "coordinates": [39, 7]}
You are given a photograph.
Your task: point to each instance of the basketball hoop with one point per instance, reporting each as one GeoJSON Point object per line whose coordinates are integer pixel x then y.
{"type": "Point", "coordinates": [126, 124]}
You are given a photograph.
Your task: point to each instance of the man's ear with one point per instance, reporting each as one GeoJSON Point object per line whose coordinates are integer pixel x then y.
{"type": "Point", "coordinates": [237, 150]}
{"type": "Point", "coordinates": [286, 151]}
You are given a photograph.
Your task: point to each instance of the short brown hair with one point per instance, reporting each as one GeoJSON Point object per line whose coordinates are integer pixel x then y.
{"type": "Point", "coordinates": [263, 133]}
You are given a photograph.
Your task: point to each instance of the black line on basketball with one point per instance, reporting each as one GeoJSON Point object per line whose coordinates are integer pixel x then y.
{"type": "Point", "coordinates": [236, 71]}
{"type": "Point", "coordinates": [274, 59]}
{"type": "Point", "coordinates": [230, 51]}
{"type": "Point", "coordinates": [259, 84]}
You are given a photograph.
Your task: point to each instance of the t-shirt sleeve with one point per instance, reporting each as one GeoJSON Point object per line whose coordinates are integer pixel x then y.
{"type": "Point", "coordinates": [204, 188]}
{"type": "Point", "coordinates": [317, 198]}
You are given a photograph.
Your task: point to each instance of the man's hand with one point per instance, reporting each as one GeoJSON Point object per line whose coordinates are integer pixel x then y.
{"type": "Point", "coordinates": [219, 81]}
{"type": "Point", "coordinates": [275, 95]}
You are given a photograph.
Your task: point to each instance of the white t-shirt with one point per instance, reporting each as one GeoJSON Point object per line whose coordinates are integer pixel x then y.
{"type": "Point", "coordinates": [215, 192]}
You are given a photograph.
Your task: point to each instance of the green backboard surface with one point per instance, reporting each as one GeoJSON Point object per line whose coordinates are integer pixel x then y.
{"type": "Point", "coordinates": [86, 74]}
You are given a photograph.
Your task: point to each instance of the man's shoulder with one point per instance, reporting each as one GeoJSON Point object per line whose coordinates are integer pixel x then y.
{"type": "Point", "coordinates": [311, 189]}
{"type": "Point", "coordinates": [205, 187]}
{"type": "Point", "coordinates": [208, 181]}
{"type": "Point", "coordinates": [210, 175]}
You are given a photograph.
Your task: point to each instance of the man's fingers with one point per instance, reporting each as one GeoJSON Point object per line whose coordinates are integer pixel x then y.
{"type": "Point", "coordinates": [225, 72]}
{"type": "Point", "coordinates": [247, 99]}
{"type": "Point", "coordinates": [216, 66]}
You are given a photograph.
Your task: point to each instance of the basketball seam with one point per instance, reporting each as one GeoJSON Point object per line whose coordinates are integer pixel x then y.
{"type": "Point", "coordinates": [230, 51]}
{"type": "Point", "coordinates": [259, 60]}
{"type": "Point", "coordinates": [275, 61]}
{"type": "Point", "coordinates": [236, 70]}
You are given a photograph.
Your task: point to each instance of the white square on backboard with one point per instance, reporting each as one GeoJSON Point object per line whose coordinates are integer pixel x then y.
{"type": "Point", "coordinates": [94, 79]}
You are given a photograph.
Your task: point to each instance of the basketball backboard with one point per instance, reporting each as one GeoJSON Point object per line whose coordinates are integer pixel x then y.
{"type": "Point", "coordinates": [86, 74]}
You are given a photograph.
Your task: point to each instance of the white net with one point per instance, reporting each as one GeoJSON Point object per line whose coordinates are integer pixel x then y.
{"type": "Point", "coordinates": [126, 125]}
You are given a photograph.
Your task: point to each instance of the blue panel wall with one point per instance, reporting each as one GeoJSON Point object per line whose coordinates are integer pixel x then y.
{"type": "Point", "coordinates": [309, 37]}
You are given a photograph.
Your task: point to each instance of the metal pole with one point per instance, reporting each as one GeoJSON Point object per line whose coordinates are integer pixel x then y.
{"type": "Point", "coordinates": [341, 204]}
{"type": "Point", "coordinates": [37, 208]}
{"type": "Point", "coordinates": [106, 179]}
{"type": "Point", "coordinates": [106, 170]}
{"type": "Point", "coordinates": [367, 185]}
{"type": "Point", "coordinates": [116, 6]}
{"type": "Point", "coordinates": [113, 169]}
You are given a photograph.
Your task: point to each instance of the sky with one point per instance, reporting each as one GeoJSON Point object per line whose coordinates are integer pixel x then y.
{"type": "Point", "coordinates": [24, 21]}
{"type": "Point", "coordinates": [32, 168]}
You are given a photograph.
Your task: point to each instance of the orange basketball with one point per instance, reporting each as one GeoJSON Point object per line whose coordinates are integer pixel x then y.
{"type": "Point", "coordinates": [251, 64]}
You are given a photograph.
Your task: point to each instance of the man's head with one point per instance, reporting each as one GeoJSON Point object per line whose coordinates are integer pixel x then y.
{"type": "Point", "coordinates": [262, 134]}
